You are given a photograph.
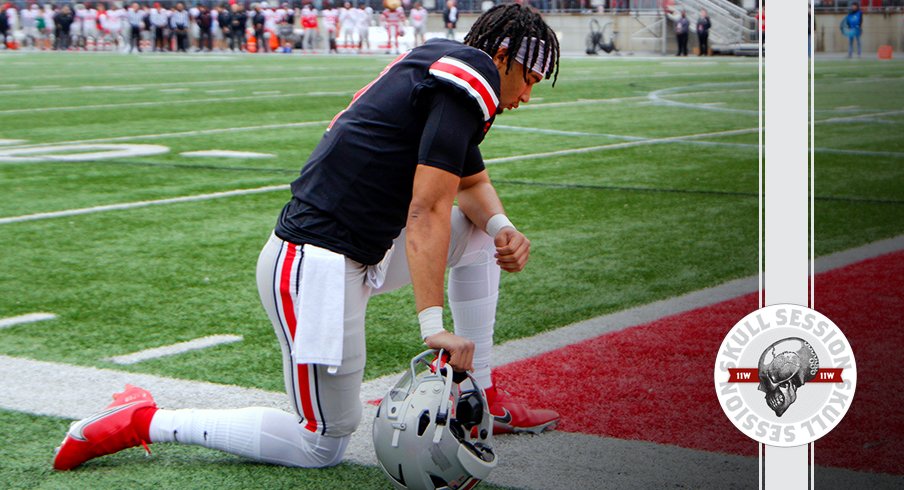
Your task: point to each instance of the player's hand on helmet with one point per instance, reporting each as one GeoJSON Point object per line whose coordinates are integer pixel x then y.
{"type": "Point", "coordinates": [512, 249]}
{"type": "Point", "coordinates": [461, 349]}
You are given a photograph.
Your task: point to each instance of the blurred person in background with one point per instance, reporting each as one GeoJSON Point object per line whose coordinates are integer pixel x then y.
{"type": "Point", "coordinates": [310, 26]}
{"type": "Point", "coordinates": [135, 16]}
{"type": "Point", "coordinates": [393, 18]}
{"type": "Point", "coordinates": [450, 18]}
{"type": "Point", "coordinates": [285, 24]}
{"type": "Point", "coordinates": [205, 29]}
{"type": "Point", "coordinates": [63, 24]}
{"type": "Point", "coordinates": [347, 16]}
{"type": "Point", "coordinates": [330, 16]}
{"type": "Point", "coordinates": [852, 27]}
{"type": "Point", "coordinates": [703, 26]}
{"type": "Point", "coordinates": [363, 18]}
{"type": "Point", "coordinates": [224, 20]}
{"type": "Point", "coordinates": [159, 18]}
{"type": "Point", "coordinates": [682, 25]}
{"type": "Point", "coordinates": [418, 19]}
{"type": "Point", "coordinates": [29, 21]}
{"type": "Point", "coordinates": [4, 24]}
{"type": "Point", "coordinates": [48, 30]}
{"type": "Point", "coordinates": [237, 26]}
{"type": "Point", "coordinates": [179, 25]}
{"type": "Point", "coordinates": [257, 21]}
{"type": "Point", "coordinates": [194, 33]}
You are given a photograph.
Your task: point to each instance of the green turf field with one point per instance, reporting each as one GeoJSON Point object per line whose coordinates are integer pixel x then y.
{"type": "Point", "coordinates": [662, 200]}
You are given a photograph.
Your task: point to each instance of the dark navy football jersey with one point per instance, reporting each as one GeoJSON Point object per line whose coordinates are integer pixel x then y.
{"type": "Point", "coordinates": [431, 106]}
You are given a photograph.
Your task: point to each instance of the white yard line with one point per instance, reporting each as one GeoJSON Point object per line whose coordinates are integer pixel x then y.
{"type": "Point", "coordinates": [27, 318]}
{"type": "Point", "coordinates": [182, 134]}
{"type": "Point", "coordinates": [149, 103]}
{"type": "Point", "coordinates": [861, 116]}
{"type": "Point", "coordinates": [557, 132]}
{"type": "Point", "coordinates": [280, 80]}
{"type": "Point", "coordinates": [141, 204]}
{"type": "Point", "coordinates": [174, 349]}
{"type": "Point", "coordinates": [553, 460]}
{"type": "Point", "coordinates": [612, 146]}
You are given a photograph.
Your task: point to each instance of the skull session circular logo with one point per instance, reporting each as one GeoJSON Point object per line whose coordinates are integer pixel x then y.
{"type": "Point", "coordinates": [785, 375]}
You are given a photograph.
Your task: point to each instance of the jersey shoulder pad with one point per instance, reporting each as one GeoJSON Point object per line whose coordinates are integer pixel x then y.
{"type": "Point", "coordinates": [473, 72]}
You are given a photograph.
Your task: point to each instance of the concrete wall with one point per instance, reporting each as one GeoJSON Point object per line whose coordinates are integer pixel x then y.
{"type": "Point", "coordinates": [573, 29]}
{"type": "Point", "coordinates": [878, 29]}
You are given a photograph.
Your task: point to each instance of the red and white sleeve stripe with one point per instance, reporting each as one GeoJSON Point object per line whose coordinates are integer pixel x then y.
{"type": "Point", "coordinates": [462, 75]}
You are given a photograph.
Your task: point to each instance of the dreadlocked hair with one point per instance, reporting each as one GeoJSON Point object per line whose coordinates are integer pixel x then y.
{"type": "Point", "coordinates": [517, 23]}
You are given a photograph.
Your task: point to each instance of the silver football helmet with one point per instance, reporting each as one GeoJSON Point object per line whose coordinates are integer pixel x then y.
{"type": "Point", "coordinates": [432, 432]}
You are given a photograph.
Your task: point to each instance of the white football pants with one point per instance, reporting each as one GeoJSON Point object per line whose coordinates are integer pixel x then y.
{"type": "Point", "coordinates": [328, 406]}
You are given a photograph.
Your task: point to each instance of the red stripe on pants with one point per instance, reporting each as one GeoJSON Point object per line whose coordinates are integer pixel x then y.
{"type": "Point", "coordinates": [304, 387]}
{"type": "Point", "coordinates": [285, 293]}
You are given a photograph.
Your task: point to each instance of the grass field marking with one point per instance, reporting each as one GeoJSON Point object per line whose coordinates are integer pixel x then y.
{"type": "Point", "coordinates": [4, 142]}
{"type": "Point", "coordinates": [183, 84]}
{"type": "Point", "coordinates": [613, 146]}
{"type": "Point", "coordinates": [141, 204]}
{"type": "Point", "coordinates": [861, 116]}
{"type": "Point", "coordinates": [615, 100]}
{"type": "Point", "coordinates": [226, 154]}
{"type": "Point", "coordinates": [79, 153]}
{"type": "Point", "coordinates": [659, 97]}
{"type": "Point", "coordinates": [152, 103]}
{"type": "Point", "coordinates": [180, 134]}
{"type": "Point", "coordinates": [27, 318]}
{"type": "Point", "coordinates": [557, 132]}
{"type": "Point", "coordinates": [175, 349]}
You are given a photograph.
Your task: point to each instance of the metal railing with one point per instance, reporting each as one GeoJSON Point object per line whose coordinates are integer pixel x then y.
{"type": "Point", "coordinates": [731, 24]}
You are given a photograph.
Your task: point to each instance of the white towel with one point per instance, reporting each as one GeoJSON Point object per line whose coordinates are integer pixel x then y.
{"type": "Point", "coordinates": [321, 306]}
{"type": "Point", "coordinates": [376, 274]}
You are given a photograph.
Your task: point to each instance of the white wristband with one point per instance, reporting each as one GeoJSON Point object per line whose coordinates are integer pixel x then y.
{"type": "Point", "coordinates": [431, 320]}
{"type": "Point", "coordinates": [497, 223]}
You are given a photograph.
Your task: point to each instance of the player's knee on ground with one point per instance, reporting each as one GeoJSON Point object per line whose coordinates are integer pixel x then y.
{"type": "Point", "coordinates": [285, 441]}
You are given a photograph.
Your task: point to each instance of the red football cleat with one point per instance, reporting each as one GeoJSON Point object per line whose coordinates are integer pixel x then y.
{"type": "Point", "coordinates": [513, 416]}
{"type": "Point", "coordinates": [115, 428]}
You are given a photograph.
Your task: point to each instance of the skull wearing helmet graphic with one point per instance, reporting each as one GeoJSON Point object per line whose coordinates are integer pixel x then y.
{"type": "Point", "coordinates": [784, 367]}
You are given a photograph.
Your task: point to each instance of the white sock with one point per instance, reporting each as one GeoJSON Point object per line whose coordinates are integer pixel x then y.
{"type": "Point", "coordinates": [473, 295]}
{"type": "Point", "coordinates": [261, 434]}
{"type": "Point", "coordinates": [475, 320]}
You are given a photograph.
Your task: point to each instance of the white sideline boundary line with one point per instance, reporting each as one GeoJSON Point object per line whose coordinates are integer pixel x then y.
{"type": "Point", "coordinates": [27, 318]}
{"type": "Point", "coordinates": [554, 460]}
{"type": "Point", "coordinates": [175, 349]}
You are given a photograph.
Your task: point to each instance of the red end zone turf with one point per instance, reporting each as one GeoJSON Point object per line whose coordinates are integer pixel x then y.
{"type": "Point", "coordinates": [654, 382]}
